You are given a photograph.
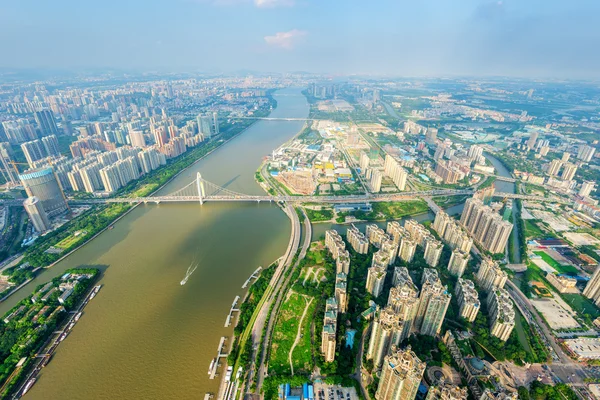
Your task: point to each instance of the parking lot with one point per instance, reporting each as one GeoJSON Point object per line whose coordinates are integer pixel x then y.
{"type": "Point", "coordinates": [324, 391]}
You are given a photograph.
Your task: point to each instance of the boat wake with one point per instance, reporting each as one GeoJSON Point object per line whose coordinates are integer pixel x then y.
{"type": "Point", "coordinates": [189, 273]}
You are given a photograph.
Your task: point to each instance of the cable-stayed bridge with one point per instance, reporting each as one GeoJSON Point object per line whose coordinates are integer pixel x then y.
{"type": "Point", "coordinates": [200, 191]}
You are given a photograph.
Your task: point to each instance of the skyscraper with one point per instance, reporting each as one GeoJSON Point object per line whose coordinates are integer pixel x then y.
{"type": "Point", "coordinates": [36, 212]}
{"type": "Point", "coordinates": [42, 183]}
{"type": "Point", "coordinates": [400, 376]}
{"type": "Point", "coordinates": [396, 172]}
{"type": "Point", "coordinates": [532, 139]}
{"type": "Point", "coordinates": [46, 122]}
{"type": "Point", "coordinates": [205, 123]}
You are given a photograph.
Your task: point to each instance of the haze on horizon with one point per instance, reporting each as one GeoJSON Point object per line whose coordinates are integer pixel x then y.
{"type": "Point", "coordinates": [525, 38]}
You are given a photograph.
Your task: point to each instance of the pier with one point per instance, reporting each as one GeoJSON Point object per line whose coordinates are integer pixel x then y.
{"type": "Point", "coordinates": [220, 354]}
{"type": "Point", "coordinates": [231, 311]}
{"type": "Point", "coordinates": [253, 276]}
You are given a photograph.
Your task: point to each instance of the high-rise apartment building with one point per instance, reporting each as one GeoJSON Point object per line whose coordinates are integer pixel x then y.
{"type": "Point", "coordinates": [531, 141]}
{"type": "Point", "coordinates": [490, 276]}
{"type": "Point", "coordinates": [501, 314]}
{"type": "Point", "coordinates": [565, 157]}
{"type": "Point", "coordinates": [431, 135]}
{"type": "Point", "coordinates": [341, 291]}
{"type": "Point", "coordinates": [386, 332]}
{"type": "Point", "coordinates": [468, 299]}
{"type": "Point", "coordinates": [401, 375]}
{"type": "Point", "coordinates": [375, 235]}
{"type": "Point", "coordinates": [585, 153]}
{"type": "Point", "coordinates": [329, 333]}
{"type": "Point", "coordinates": [440, 222]}
{"type": "Point", "coordinates": [433, 304]}
{"type": "Point", "coordinates": [364, 161]}
{"type": "Point", "coordinates": [404, 300]}
{"type": "Point", "coordinates": [569, 172]}
{"type": "Point", "coordinates": [486, 226]}
{"type": "Point", "coordinates": [389, 249]}
{"type": "Point", "coordinates": [137, 138]}
{"type": "Point", "coordinates": [433, 251]}
{"type": "Point", "coordinates": [46, 122]}
{"type": "Point", "coordinates": [586, 188]}
{"type": "Point", "coordinates": [342, 262]}
{"type": "Point", "coordinates": [375, 182]}
{"type": "Point", "coordinates": [398, 174]}
{"type": "Point", "coordinates": [592, 289]}
{"type": "Point", "coordinates": [42, 183]}
{"type": "Point", "coordinates": [33, 151]}
{"type": "Point", "coordinates": [407, 248]}
{"type": "Point", "coordinates": [375, 279]}
{"type": "Point", "coordinates": [458, 262]}
{"type": "Point", "coordinates": [554, 167]}
{"type": "Point", "coordinates": [50, 144]}
{"type": "Point", "coordinates": [357, 240]}
{"type": "Point", "coordinates": [334, 242]}
{"type": "Point", "coordinates": [36, 213]}
{"type": "Point", "coordinates": [475, 152]}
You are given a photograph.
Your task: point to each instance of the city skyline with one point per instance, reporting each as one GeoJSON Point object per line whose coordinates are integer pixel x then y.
{"type": "Point", "coordinates": [432, 38]}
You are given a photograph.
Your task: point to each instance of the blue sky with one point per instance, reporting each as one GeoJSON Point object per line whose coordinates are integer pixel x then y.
{"type": "Point", "coordinates": [530, 38]}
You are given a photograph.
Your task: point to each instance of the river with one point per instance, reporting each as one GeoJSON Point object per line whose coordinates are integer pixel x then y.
{"type": "Point", "coordinates": [145, 335]}
{"type": "Point", "coordinates": [507, 187]}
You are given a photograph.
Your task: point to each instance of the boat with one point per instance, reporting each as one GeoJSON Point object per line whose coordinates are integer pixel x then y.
{"type": "Point", "coordinates": [46, 360]}
{"type": "Point", "coordinates": [212, 364]}
{"type": "Point", "coordinates": [110, 227]}
{"type": "Point", "coordinates": [97, 288]}
{"type": "Point", "coordinates": [28, 386]}
{"type": "Point", "coordinates": [63, 336]}
{"type": "Point", "coordinates": [228, 374]}
{"type": "Point", "coordinates": [77, 317]}
{"type": "Point", "coordinates": [189, 273]}
{"type": "Point", "coordinates": [93, 295]}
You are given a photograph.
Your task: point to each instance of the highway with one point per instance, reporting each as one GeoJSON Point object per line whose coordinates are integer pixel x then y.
{"type": "Point", "coordinates": [564, 368]}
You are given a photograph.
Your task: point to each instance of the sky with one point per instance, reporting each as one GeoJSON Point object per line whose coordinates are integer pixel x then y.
{"type": "Point", "coordinates": [523, 38]}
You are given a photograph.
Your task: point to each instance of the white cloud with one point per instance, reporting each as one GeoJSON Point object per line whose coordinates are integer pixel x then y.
{"type": "Point", "coordinates": [273, 3]}
{"type": "Point", "coordinates": [285, 40]}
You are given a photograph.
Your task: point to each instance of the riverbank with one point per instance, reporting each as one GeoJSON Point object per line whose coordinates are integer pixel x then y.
{"type": "Point", "coordinates": [218, 143]}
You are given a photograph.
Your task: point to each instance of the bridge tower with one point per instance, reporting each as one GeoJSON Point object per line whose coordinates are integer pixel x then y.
{"type": "Point", "coordinates": [200, 186]}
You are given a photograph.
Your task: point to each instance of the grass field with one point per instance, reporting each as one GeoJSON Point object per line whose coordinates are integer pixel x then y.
{"type": "Point", "coordinates": [561, 269]}
{"type": "Point", "coordinates": [302, 355]}
{"type": "Point", "coordinates": [70, 240]}
{"type": "Point", "coordinates": [532, 230]}
{"type": "Point", "coordinates": [582, 305]}
{"type": "Point", "coordinates": [285, 332]}
{"type": "Point", "coordinates": [399, 209]}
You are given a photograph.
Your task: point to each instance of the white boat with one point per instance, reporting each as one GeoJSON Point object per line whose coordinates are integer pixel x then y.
{"type": "Point", "coordinates": [189, 273]}
{"type": "Point", "coordinates": [93, 295]}
{"type": "Point", "coordinates": [28, 386]}
{"type": "Point", "coordinates": [212, 364]}
{"type": "Point", "coordinates": [77, 317]}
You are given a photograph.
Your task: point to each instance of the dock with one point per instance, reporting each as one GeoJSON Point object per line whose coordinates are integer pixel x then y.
{"type": "Point", "coordinates": [220, 354]}
{"type": "Point", "coordinates": [231, 311]}
{"type": "Point", "coordinates": [253, 276]}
